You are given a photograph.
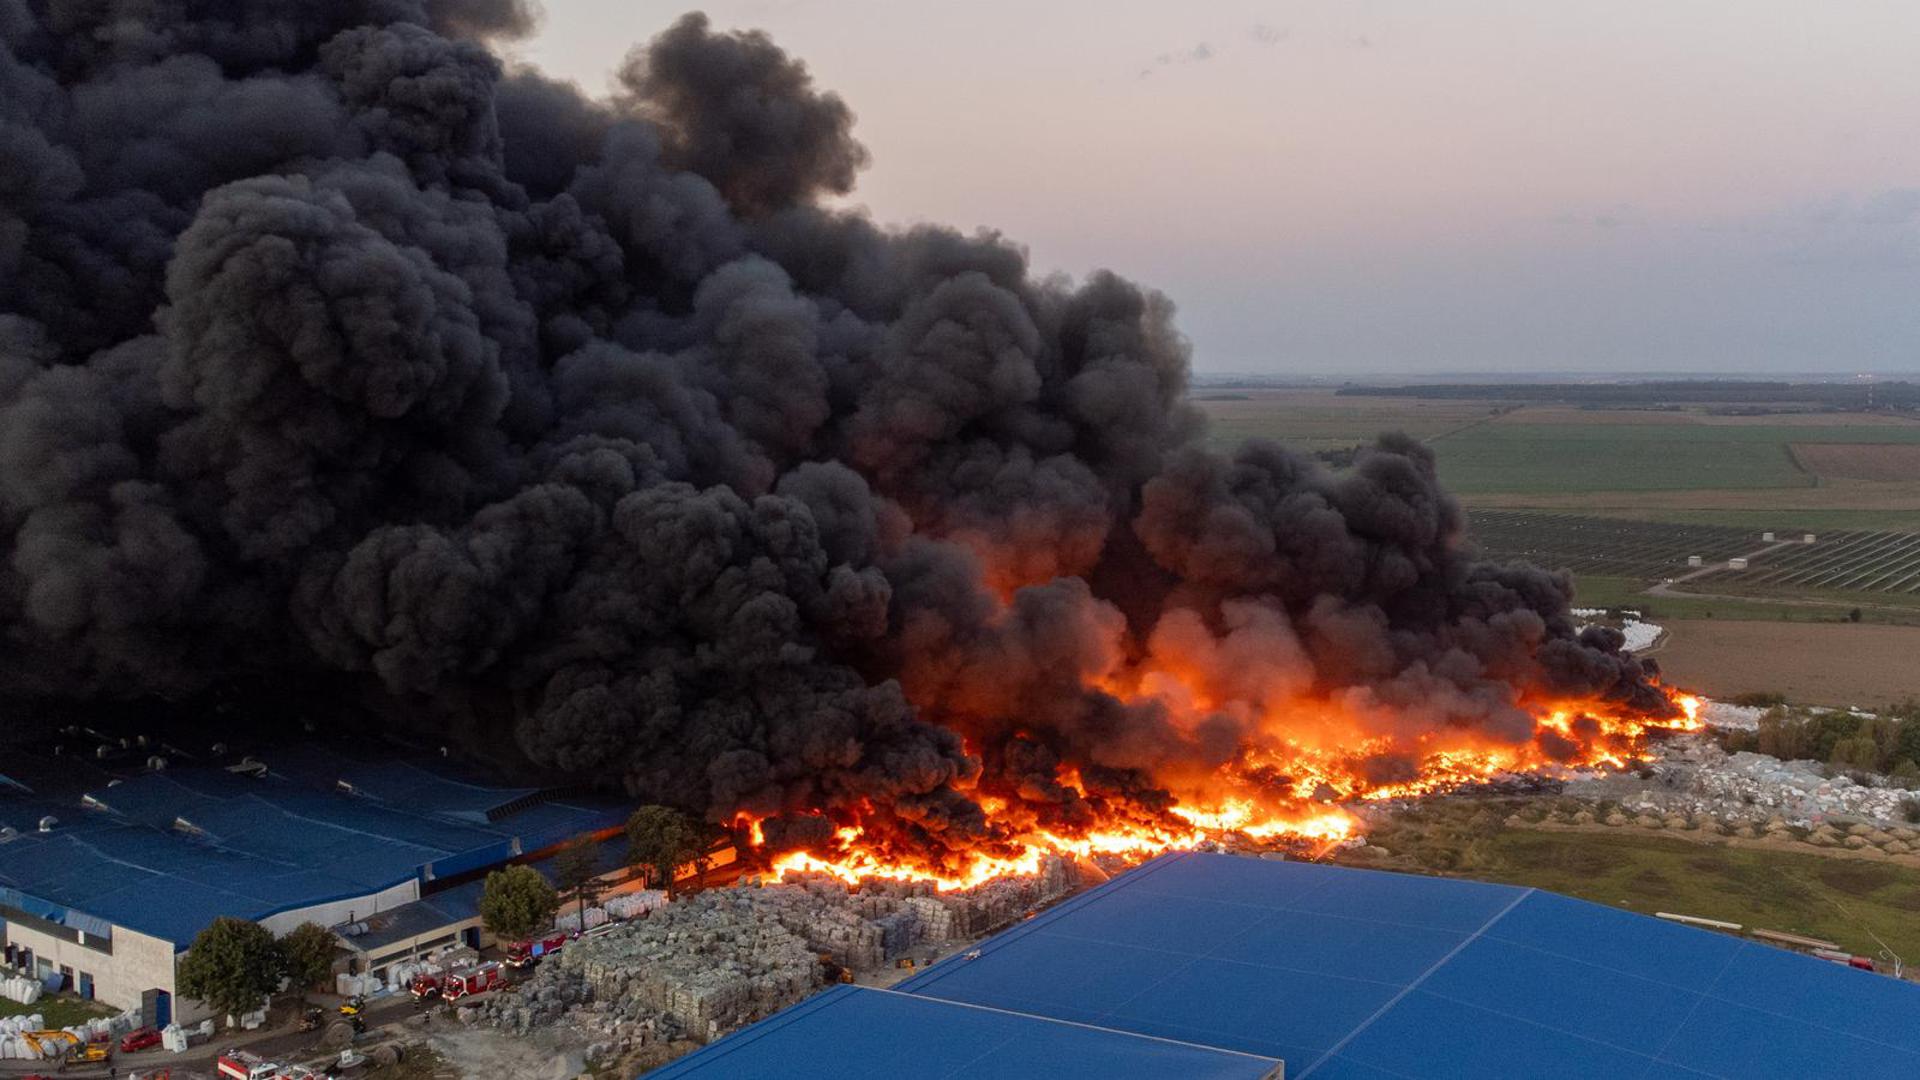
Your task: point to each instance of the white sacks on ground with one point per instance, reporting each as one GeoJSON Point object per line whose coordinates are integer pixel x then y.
{"type": "Point", "coordinates": [173, 1038]}
{"type": "Point", "coordinates": [21, 990]}
{"type": "Point", "coordinates": [14, 1025]}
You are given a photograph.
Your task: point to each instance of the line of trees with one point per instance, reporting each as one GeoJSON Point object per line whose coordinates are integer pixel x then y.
{"type": "Point", "coordinates": [236, 965]}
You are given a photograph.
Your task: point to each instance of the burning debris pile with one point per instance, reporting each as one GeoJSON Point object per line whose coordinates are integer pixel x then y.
{"type": "Point", "coordinates": [724, 957]}
{"type": "Point", "coordinates": [335, 354]}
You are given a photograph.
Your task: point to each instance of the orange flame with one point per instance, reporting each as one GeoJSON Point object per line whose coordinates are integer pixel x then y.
{"type": "Point", "coordinates": [1320, 760]}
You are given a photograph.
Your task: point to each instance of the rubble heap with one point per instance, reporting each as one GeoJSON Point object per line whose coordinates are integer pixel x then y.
{"type": "Point", "coordinates": [1693, 776]}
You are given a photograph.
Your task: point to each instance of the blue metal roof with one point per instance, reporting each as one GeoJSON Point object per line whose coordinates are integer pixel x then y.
{"type": "Point", "coordinates": [166, 853]}
{"type": "Point", "coordinates": [852, 1033]}
{"type": "Point", "coordinates": [1366, 975]}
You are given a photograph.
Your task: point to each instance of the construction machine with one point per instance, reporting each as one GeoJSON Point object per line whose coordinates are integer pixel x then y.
{"type": "Point", "coordinates": [51, 1043]}
{"type": "Point", "coordinates": [87, 1053]}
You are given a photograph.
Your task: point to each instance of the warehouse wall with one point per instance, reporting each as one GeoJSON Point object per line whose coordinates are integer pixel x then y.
{"type": "Point", "coordinates": [137, 963]}
{"type": "Point", "coordinates": [335, 912]}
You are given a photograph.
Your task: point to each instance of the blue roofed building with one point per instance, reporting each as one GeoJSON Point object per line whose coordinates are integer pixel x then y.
{"type": "Point", "coordinates": [853, 1031]}
{"type": "Point", "coordinates": [1347, 974]}
{"type": "Point", "coordinates": [108, 888]}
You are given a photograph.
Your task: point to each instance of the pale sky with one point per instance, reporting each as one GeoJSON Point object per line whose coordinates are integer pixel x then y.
{"type": "Point", "coordinates": [1329, 186]}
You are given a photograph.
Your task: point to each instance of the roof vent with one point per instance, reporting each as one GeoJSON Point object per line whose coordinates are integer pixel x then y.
{"type": "Point", "coordinates": [249, 766]}
{"type": "Point", "coordinates": [47, 823]}
{"type": "Point", "coordinates": [181, 824]}
{"type": "Point", "coordinates": [92, 803]}
{"type": "Point", "coordinates": [8, 832]}
{"type": "Point", "coordinates": [156, 763]}
{"type": "Point", "coordinates": [103, 751]}
{"type": "Point", "coordinates": [220, 749]}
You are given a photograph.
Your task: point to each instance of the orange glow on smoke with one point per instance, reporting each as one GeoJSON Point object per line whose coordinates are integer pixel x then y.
{"type": "Point", "coordinates": [1293, 784]}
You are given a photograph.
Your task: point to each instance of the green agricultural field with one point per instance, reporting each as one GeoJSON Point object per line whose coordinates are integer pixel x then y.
{"type": "Point", "coordinates": [1783, 521]}
{"type": "Point", "coordinates": [1313, 420]}
{"type": "Point", "coordinates": [1512, 457]}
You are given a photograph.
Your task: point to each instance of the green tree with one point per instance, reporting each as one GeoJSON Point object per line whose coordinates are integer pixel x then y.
{"type": "Point", "coordinates": [661, 839]}
{"type": "Point", "coordinates": [232, 965]}
{"type": "Point", "coordinates": [517, 903]}
{"type": "Point", "coordinates": [307, 952]}
{"type": "Point", "coordinates": [576, 869]}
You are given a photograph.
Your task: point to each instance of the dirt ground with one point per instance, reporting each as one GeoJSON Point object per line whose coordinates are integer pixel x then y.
{"type": "Point", "coordinates": [483, 1052]}
{"type": "Point", "coordinates": [1860, 461]}
{"type": "Point", "coordinates": [1811, 663]}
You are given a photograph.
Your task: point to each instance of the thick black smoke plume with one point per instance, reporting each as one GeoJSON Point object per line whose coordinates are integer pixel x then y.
{"type": "Point", "coordinates": [328, 347]}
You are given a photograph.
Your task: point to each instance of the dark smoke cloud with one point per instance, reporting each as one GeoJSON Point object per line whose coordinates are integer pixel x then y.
{"type": "Point", "coordinates": [330, 350]}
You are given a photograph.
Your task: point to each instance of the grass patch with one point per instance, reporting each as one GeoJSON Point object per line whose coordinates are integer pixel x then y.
{"type": "Point", "coordinates": [63, 1010]}
{"type": "Point", "coordinates": [1647, 872]}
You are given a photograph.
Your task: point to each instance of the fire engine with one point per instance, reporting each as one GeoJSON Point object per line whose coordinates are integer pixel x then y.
{"type": "Point", "coordinates": [522, 953]}
{"type": "Point", "coordinates": [474, 980]}
{"type": "Point", "coordinates": [241, 1065]}
{"type": "Point", "coordinates": [426, 985]}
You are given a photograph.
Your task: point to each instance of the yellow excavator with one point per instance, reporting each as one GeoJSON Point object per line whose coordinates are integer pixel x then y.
{"type": "Point", "coordinates": [68, 1047]}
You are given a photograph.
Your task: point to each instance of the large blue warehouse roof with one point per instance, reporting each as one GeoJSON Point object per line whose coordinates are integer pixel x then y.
{"type": "Point", "coordinates": [1366, 975]}
{"type": "Point", "coordinates": [859, 1032]}
{"type": "Point", "coordinates": [166, 853]}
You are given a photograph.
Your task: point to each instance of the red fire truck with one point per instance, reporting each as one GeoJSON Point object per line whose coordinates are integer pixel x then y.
{"type": "Point", "coordinates": [522, 953]}
{"type": "Point", "coordinates": [426, 985]}
{"type": "Point", "coordinates": [473, 980]}
{"type": "Point", "coordinates": [240, 1065]}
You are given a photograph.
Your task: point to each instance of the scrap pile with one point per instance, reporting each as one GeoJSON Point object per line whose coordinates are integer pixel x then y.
{"type": "Point", "coordinates": [704, 965]}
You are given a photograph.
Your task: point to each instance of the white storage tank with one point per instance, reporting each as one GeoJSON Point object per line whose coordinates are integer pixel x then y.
{"type": "Point", "coordinates": [1736, 564]}
{"type": "Point", "coordinates": [1695, 560]}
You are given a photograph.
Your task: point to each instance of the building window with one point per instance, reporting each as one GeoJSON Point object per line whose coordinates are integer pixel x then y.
{"type": "Point", "coordinates": [66, 977]}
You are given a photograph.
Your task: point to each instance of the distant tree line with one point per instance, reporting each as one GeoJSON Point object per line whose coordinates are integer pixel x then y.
{"type": "Point", "coordinates": [1850, 396]}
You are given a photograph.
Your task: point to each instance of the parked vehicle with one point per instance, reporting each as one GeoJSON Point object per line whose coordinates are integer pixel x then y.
{"type": "Point", "coordinates": [523, 953]}
{"type": "Point", "coordinates": [241, 1065]}
{"type": "Point", "coordinates": [474, 980]}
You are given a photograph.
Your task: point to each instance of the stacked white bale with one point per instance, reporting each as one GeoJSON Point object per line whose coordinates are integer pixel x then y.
{"type": "Point", "coordinates": [713, 962]}
{"type": "Point", "coordinates": [21, 990]}
{"type": "Point", "coordinates": [632, 905]}
{"type": "Point", "coordinates": [570, 921]}
{"type": "Point", "coordinates": [173, 1039]}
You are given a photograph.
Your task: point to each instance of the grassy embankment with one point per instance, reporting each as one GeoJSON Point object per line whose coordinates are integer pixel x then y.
{"type": "Point", "coordinates": [60, 1011]}
{"type": "Point", "coordinates": [1841, 899]}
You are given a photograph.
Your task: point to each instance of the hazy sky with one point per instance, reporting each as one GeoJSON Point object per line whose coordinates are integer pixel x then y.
{"type": "Point", "coordinates": [1357, 186]}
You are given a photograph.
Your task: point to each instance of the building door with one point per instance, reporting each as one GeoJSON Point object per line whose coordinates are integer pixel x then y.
{"type": "Point", "coordinates": [472, 935]}
{"type": "Point", "coordinates": [86, 985]}
{"type": "Point", "coordinates": [157, 1007]}
{"type": "Point", "coordinates": [66, 978]}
